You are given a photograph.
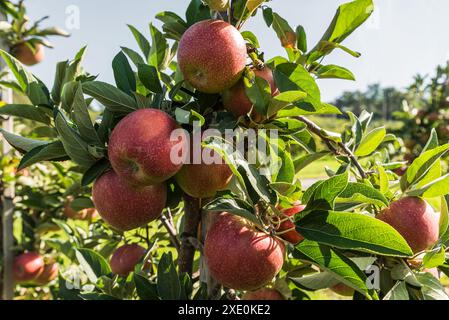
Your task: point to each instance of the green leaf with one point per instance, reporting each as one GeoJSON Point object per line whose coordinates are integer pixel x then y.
{"type": "Point", "coordinates": [196, 12]}
{"type": "Point", "coordinates": [135, 57]}
{"type": "Point", "coordinates": [431, 288]}
{"type": "Point", "coordinates": [251, 38]}
{"type": "Point", "coordinates": [348, 18]}
{"type": "Point", "coordinates": [74, 145]}
{"type": "Point", "coordinates": [111, 97]}
{"type": "Point", "coordinates": [168, 284]}
{"type": "Point", "coordinates": [287, 171]}
{"type": "Point", "coordinates": [258, 91]}
{"type": "Point", "coordinates": [149, 77]}
{"type": "Point", "coordinates": [434, 258]}
{"type": "Point", "coordinates": [293, 77]}
{"type": "Point", "coordinates": [53, 151]}
{"type": "Point", "coordinates": [359, 192]}
{"type": "Point", "coordinates": [25, 111]}
{"type": "Point", "coordinates": [82, 118]}
{"type": "Point", "coordinates": [95, 171]}
{"type": "Point", "coordinates": [284, 100]}
{"type": "Point", "coordinates": [143, 43]}
{"type": "Point", "coordinates": [398, 292]}
{"type": "Point", "coordinates": [284, 32]}
{"type": "Point", "coordinates": [335, 262]}
{"type": "Point", "coordinates": [435, 188]}
{"type": "Point", "coordinates": [58, 83]}
{"type": "Point", "coordinates": [302, 38]}
{"type": "Point", "coordinates": [159, 49]}
{"type": "Point", "coordinates": [146, 290]}
{"type": "Point", "coordinates": [93, 264]}
{"type": "Point", "coordinates": [123, 74]}
{"type": "Point", "coordinates": [422, 165]}
{"type": "Point", "coordinates": [21, 143]}
{"type": "Point", "coordinates": [322, 195]}
{"type": "Point", "coordinates": [353, 231]}
{"type": "Point", "coordinates": [173, 25]}
{"type": "Point", "coordinates": [334, 72]}
{"type": "Point", "coordinates": [235, 206]}
{"type": "Point", "coordinates": [370, 142]}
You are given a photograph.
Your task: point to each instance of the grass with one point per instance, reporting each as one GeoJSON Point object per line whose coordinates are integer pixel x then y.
{"type": "Point", "coordinates": [317, 168]}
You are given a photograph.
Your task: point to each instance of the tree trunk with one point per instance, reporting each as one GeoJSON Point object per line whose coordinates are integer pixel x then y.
{"type": "Point", "coordinates": [192, 218]}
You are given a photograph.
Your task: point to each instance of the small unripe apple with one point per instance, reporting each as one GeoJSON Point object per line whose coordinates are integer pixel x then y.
{"type": "Point", "coordinates": [218, 5]}
{"type": "Point", "coordinates": [292, 236]}
{"type": "Point", "coordinates": [140, 147]}
{"type": "Point", "coordinates": [239, 256]}
{"type": "Point", "coordinates": [263, 294]}
{"type": "Point", "coordinates": [126, 207]}
{"type": "Point", "coordinates": [27, 267]}
{"type": "Point", "coordinates": [343, 290]}
{"type": "Point", "coordinates": [49, 273]}
{"type": "Point", "coordinates": [237, 102]}
{"type": "Point", "coordinates": [212, 56]}
{"type": "Point", "coordinates": [125, 259]}
{"type": "Point", "coordinates": [25, 55]}
{"type": "Point", "coordinates": [415, 220]}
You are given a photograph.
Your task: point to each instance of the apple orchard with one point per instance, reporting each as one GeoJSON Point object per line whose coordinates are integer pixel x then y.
{"type": "Point", "coordinates": [151, 198]}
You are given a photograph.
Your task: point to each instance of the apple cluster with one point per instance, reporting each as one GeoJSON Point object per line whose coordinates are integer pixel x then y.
{"type": "Point", "coordinates": [212, 57]}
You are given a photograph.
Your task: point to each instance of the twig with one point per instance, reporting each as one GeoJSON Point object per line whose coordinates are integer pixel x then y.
{"type": "Point", "coordinates": [313, 127]}
{"type": "Point", "coordinates": [171, 231]}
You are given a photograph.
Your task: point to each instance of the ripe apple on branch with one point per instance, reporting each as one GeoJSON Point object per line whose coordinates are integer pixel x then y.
{"type": "Point", "coordinates": [232, 230]}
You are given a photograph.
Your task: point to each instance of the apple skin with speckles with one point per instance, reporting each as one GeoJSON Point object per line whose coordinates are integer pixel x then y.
{"type": "Point", "coordinates": [237, 102]}
{"type": "Point", "coordinates": [212, 56]}
{"type": "Point", "coordinates": [263, 294]}
{"type": "Point", "coordinates": [140, 147]}
{"type": "Point", "coordinates": [125, 258]}
{"type": "Point", "coordinates": [415, 220]}
{"type": "Point", "coordinates": [124, 206]}
{"type": "Point", "coordinates": [27, 267]}
{"type": "Point", "coordinates": [203, 180]}
{"type": "Point", "coordinates": [239, 256]}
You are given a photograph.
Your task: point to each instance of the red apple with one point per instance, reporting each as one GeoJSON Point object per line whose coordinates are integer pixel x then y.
{"type": "Point", "coordinates": [342, 289]}
{"type": "Point", "coordinates": [140, 147]}
{"type": "Point", "coordinates": [127, 207]}
{"type": "Point", "coordinates": [237, 102]}
{"type": "Point", "coordinates": [212, 55]}
{"type": "Point", "coordinates": [292, 236]}
{"type": "Point", "coordinates": [49, 273]}
{"type": "Point", "coordinates": [125, 259]}
{"type": "Point", "coordinates": [415, 220]}
{"type": "Point", "coordinates": [201, 180]}
{"type": "Point", "coordinates": [27, 267]}
{"type": "Point", "coordinates": [263, 294]}
{"type": "Point", "coordinates": [25, 54]}
{"type": "Point", "coordinates": [239, 256]}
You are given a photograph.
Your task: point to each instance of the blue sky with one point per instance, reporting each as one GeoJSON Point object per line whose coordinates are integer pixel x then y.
{"type": "Point", "coordinates": [402, 38]}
